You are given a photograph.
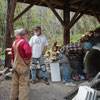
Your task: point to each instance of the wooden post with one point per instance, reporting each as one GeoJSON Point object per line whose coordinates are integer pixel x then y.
{"type": "Point", "coordinates": [9, 29]}
{"type": "Point", "coordinates": [66, 35]}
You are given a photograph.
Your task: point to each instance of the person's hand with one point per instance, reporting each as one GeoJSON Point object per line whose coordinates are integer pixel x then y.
{"type": "Point", "coordinates": [8, 49]}
{"type": "Point", "coordinates": [44, 51]}
{"type": "Point", "coordinates": [27, 61]}
{"type": "Point", "coordinates": [9, 53]}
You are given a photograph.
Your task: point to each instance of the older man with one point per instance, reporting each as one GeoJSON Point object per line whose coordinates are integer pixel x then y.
{"type": "Point", "coordinates": [17, 33]}
{"type": "Point", "coordinates": [21, 54]}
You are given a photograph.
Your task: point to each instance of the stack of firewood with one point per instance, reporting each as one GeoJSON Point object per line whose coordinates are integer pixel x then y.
{"type": "Point", "coordinates": [87, 36]}
{"type": "Point", "coordinates": [91, 34]}
{"type": "Point", "coordinates": [53, 53]}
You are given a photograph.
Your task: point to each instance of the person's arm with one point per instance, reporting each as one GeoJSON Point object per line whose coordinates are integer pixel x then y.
{"type": "Point", "coordinates": [44, 50]}
{"type": "Point", "coordinates": [27, 61]}
{"type": "Point", "coordinates": [12, 53]}
{"type": "Point", "coordinates": [31, 42]}
{"type": "Point", "coordinates": [28, 53]}
{"type": "Point", "coordinates": [63, 49]}
{"type": "Point", "coordinates": [45, 47]}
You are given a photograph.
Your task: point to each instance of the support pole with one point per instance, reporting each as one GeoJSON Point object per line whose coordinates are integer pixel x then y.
{"type": "Point", "coordinates": [9, 29]}
{"type": "Point", "coordinates": [66, 35]}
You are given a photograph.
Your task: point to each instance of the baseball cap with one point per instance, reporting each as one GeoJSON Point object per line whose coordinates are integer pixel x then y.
{"type": "Point", "coordinates": [37, 28]}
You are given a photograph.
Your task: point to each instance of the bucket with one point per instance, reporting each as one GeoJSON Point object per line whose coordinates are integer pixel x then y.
{"type": "Point", "coordinates": [55, 72]}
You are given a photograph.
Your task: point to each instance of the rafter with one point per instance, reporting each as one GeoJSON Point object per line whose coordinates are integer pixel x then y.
{"type": "Point", "coordinates": [57, 2]}
{"type": "Point", "coordinates": [80, 9]}
{"type": "Point", "coordinates": [55, 12]}
{"type": "Point", "coordinates": [25, 10]}
{"type": "Point", "coordinates": [74, 1]}
{"type": "Point", "coordinates": [80, 15]}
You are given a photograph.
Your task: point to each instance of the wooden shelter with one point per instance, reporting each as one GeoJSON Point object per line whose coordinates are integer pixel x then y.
{"type": "Point", "coordinates": [80, 7]}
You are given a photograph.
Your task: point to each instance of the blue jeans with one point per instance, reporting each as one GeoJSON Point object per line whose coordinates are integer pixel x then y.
{"type": "Point", "coordinates": [66, 73]}
{"type": "Point", "coordinates": [42, 65]}
{"type": "Point", "coordinates": [65, 66]}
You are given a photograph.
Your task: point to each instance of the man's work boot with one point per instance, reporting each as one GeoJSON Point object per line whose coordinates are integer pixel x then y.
{"type": "Point", "coordinates": [33, 81]}
{"type": "Point", "coordinates": [17, 99]}
{"type": "Point", "coordinates": [46, 81]}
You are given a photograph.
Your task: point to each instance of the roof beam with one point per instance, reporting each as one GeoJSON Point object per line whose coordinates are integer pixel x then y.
{"type": "Point", "coordinates": [78, 11]}
{"type": "Point", "coordinates": [74, 18]}
{"type": "Point", "coordinates": [55, 12]}
{"type": "Point", "coordinates": [24, 11]}
{"type": "Point", "coordinates": [74, 1]}
{"type": "Point", "coordinates": [57, 2]}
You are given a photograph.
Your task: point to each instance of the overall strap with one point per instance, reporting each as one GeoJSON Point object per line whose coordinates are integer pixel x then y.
{"type": "Point", "coordinates": [19, 43]}
{"type": "Point", "coordinates": [14, 44]}
{"type": "Point", "coordinates": [15, 47]}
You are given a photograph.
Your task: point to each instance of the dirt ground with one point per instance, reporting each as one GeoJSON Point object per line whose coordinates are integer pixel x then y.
{"type": "Point", "coordinates": [39, 91]}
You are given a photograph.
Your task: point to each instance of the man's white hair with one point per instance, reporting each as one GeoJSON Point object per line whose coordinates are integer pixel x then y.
{"type": "Point", "coordinates": [23, 31]}
{"type": "Point", "coordinates": [17, 31]}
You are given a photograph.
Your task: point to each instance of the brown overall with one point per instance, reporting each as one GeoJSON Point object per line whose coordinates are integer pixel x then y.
{"type": "Point", "coordinates": [20, 85]}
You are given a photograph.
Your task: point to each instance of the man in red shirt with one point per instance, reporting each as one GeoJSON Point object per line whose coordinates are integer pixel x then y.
{"type": "Point", "coordinates": [21, 54]}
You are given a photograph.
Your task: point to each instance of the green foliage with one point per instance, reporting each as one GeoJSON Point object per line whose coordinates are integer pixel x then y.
{"type": "Point", "coordinates": [2, 57]}
{"type": "Point", "coordinates": [75, 37]}
{"type": "Point", "coordinates": [2, 54]}
{"type": "Point", "coordinates": [3, 10]}
{"type": "Point", "coordinates": [48, 49]}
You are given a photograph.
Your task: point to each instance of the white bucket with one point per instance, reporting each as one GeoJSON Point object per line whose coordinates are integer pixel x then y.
{"type": "Point", "coordinates": [55, 72]}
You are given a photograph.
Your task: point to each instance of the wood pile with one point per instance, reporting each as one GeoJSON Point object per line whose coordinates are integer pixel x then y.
{"type": "Point", "coordinates": [87, 36]}
{"type": "Point", "coordinates": [53, 53]}
{"type": "Point", "coordinates": [6, 74]}
{"type": "Point", "coordinates": [90, 35]}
